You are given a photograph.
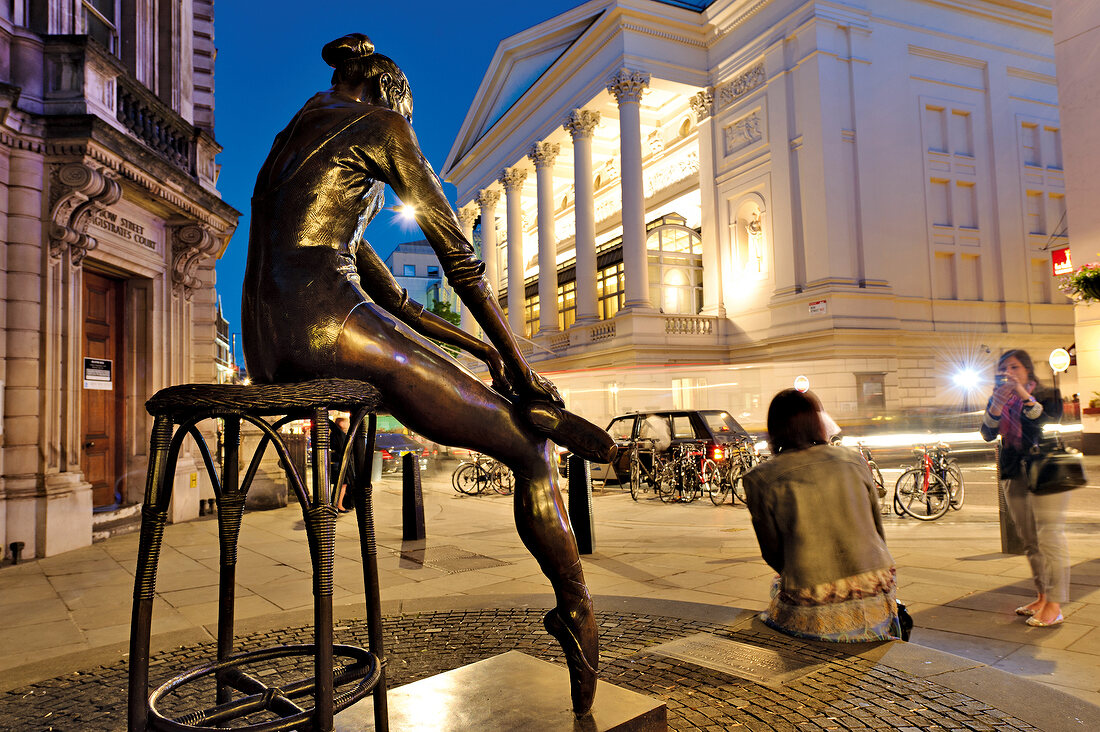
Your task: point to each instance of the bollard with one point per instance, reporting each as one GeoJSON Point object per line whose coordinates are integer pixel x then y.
{"type": "Point", "coordinates": [16, 548]}
{"type": "Point", "coordinates": [1010, 537]}
{"type": "Point", "coordinates": [412, 499]}
{"type": "Point", "coordinates": [580, 502]}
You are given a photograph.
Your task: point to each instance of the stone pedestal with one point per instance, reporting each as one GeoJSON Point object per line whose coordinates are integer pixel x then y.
{"type": "Point", "coordinates": [512, 691]}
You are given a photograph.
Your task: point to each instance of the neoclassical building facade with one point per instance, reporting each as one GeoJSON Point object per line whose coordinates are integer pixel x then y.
{"type": "Point", "coordinates": [110, 223]}
{"type": "Point", "coordinates": [692, 204]}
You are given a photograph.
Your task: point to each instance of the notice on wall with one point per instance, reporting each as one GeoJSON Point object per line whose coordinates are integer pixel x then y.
{"type": "Point", "coordinates": [817, 307]}
{"type": "Point", "coordinates": [97, 374]}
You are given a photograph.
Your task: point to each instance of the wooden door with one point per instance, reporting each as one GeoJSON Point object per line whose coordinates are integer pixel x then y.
{"type": "Point", "coordinates": [101, 374]}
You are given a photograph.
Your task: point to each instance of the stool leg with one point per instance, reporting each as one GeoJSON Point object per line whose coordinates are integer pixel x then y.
{"type": "Point", "coordinates": [154, 515]}
{"type": "Point", "coordinates": [230, 514]}
{"type": "Point", "coordinates": [363, 494]}
{"type": "Point", "coordinates": [321, 529]}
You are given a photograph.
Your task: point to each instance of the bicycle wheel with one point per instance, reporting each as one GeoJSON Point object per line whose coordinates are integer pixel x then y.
{"type": "Point", "coordinates": [635, 477]}
{"type": "Point", "coordinates": [737, 485]}
{"type": "Point", "coordinates": [880, 486]}
{"type": "Point", "coordinates": [714, 482]}
{"type": "Point", "coordinates": [667, 482]}
{"type": "Point", "coordinates": [692, 486]}
{"type": "Point", "coordinates": [955, 484]}
{"type": "Point", "coordinates": [465, 479]}
{"type": "Point", "coordinates": [502, 480]}
{"type": "Point", "coordinates": [917, 501]}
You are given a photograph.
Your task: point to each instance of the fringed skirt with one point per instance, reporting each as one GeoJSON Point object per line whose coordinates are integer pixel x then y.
{"type": "Point", "coordinates": [859, 608]}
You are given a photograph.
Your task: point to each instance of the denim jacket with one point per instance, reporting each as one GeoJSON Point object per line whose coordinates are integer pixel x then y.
{"type": "Point", "coordinates": [816, 515]}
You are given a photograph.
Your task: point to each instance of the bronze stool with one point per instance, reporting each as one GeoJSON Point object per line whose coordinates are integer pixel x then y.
{"type": "Point", "coordinates": [176, 411]}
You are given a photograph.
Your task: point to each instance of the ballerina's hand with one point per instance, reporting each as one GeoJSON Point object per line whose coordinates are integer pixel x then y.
{"type": "Point", "coordinates": [538, 388]}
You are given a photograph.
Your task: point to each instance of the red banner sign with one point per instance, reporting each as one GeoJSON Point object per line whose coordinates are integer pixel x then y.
{"type": "Point", "coordinates": [1060, 262]}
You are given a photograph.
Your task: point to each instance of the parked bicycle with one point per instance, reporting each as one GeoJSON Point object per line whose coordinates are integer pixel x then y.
{"type": "Point", "coordinates": [928, 489]}
{"type": "Point", "coordinates": [876, 478]}
{"type": "Point", "coordinates": [694, 473]}
{"type": "Point", "coordinates": [733, 460]}
{"type": "Point", "coordinates": [482, 474]}
{"type": "Point", "coordinates": [649, 470]}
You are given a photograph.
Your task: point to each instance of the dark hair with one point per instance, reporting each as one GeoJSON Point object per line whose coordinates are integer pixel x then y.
{"type": "Point", "coordinates": [1025, 360]}
{"type": "Point", "coordinates": [794, 421]}
{"type": "Point", "coordinates": [353, 59]}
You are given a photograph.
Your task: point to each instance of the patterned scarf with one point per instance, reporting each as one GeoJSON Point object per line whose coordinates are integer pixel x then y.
{"type": "Point", "coordinates": [1011, 429]}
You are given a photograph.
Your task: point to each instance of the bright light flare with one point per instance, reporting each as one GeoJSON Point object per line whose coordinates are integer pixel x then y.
{"type": "Point", "coordinates": [407, 212]}
{"type": "Point", "coordinates": [967, 379]}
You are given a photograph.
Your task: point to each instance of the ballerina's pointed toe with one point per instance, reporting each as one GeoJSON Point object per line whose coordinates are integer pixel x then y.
{"type": "Point", "coordinates": [582, 672]}
{"type": "Point", "coordinates": [1037, 623]}
{"type": "Point", "coordinates": [572, 431]}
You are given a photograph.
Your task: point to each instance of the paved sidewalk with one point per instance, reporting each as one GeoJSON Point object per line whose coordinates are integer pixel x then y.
{"type": "Point", "coordinates": [677, 569]}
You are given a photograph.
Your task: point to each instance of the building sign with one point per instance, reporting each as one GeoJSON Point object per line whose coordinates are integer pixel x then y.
{"type": "Point", "coordinates": [122, 227]}
{"type": "Point", "coordinates": [1060, 262]}
{"type": "Point", "coordinates": [801, 383]}
{"type": "Point", "coordinates": [817, 307]}
{"type": "Point", "coordinates": [97, 373]}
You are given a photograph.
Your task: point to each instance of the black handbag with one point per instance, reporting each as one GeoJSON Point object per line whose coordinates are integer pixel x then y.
{"type": "Point", "coordinates": [1054, 468]}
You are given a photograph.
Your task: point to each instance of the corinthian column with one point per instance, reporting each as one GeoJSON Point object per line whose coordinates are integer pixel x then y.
{"type": "Point", "coordinates": [627, 87]}
{"type": "Point", "coordinates": [487, 200]}
{"type": "Point", "coordinates": [581, 124]}
{"type": "Point", "coordinates": [512, 180]}
{"type": "Point", "coordinates": [543, 154]}
{"type": "Point", "coordinates": [466, 217]}
{"type": "Point", "coordinates": [702, 104]}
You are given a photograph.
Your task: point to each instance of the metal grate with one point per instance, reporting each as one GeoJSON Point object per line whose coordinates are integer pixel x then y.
{"type": "Point", "coordinates": [450, 559]}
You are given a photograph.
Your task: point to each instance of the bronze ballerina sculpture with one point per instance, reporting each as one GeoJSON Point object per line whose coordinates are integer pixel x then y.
{"type": "Point", "coordinates": [318, 302]}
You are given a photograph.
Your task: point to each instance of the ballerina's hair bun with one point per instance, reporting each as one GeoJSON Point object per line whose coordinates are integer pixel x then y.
{"type": "Point", "coordinates": [350, 47]}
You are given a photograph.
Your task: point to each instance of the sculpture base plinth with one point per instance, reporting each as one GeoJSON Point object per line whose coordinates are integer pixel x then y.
{"type": "Point", "coordinates": [512, 691]}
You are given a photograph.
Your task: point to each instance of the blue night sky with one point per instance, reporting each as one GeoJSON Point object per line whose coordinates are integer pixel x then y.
{"type": "Point", "coordinates": [269, 63]}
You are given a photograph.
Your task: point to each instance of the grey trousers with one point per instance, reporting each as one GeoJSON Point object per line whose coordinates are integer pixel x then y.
{"type": "Point", "coordinates": [1039, 522]}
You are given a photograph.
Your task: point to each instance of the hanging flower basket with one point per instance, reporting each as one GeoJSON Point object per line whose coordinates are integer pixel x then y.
{"type": "Point", "coordinates": [1083, 285]}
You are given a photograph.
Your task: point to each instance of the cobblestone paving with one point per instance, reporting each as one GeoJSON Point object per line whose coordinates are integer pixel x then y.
{"type": "Point", "coordinates": [847, 693]}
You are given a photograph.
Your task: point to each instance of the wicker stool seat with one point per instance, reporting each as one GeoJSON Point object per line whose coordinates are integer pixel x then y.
{"type": "Point", "coordinates": [242, 697]}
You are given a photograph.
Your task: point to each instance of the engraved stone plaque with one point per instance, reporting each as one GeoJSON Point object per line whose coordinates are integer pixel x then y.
{"type": "Point", "coordinates": [762, 665]}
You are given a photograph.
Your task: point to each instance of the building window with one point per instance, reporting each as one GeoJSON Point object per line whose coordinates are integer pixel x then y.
{"type": "Point", "coordinates": [611, 290]}
{"type": "Point", "coordinates": [409, 270]}
{"type": "Point", "coordinates": [567, 304]}
{"type": "Point", "coordinates": [871, 393]}
{"type": "Point", "coordinates": [676, 265]}
{"type": "Point", "coordinates": [689, 393]}
{"type": "Point", "coordinates": [100, 22]}
{"type": "Point", "coordinates": [531, 316]}
{"type": "Point", "coordinates": [433, 271]}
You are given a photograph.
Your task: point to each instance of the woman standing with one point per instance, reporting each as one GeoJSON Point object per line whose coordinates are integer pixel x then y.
{"type": "Point", "coordinates": [815, 510]}
{"type": "Point", "coordinates": [1017, 411]}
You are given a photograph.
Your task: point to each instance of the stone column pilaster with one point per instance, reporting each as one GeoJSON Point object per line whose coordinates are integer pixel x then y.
{"type": "Point", "coordinates": [580, 124]}
{"type": "Point", "coordinates": [487, 201]}
{"type": "Point", "coordinates": [702, 104]}
{"type": "Point", "coordinates": [512, 179]}
{"type": "Point", "coordinates": [543, 154]}
{"type": "Point", "coordinates": [627, 87]}
{"type": "Point", "coordinates": [466, 216]}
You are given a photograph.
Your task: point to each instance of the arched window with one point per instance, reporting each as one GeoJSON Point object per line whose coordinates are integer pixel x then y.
{"type": "Point", "coordinates": [676, 266]}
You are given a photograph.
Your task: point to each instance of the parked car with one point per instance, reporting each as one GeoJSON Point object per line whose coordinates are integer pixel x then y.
{"type": "Point", "coordinates": [715, 426]}
{"type": "Point", "coordinates": [393, 445]}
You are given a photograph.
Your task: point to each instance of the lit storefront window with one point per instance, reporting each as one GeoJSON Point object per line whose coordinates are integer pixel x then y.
{"type": "Point", "coordinates": [567, 304]}
{"type": "Point", "coordinates": [531, 315]}
{"type": "Point", "coordinates": [611, 290]}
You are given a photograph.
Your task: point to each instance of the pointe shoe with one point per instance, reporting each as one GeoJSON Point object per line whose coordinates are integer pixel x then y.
{"type": "Point", "coordinates": [1036, 623]}
{"type": "Point", "coordinates": [571, 431]}
{"type": "Point", "coordinates": [582, 673]}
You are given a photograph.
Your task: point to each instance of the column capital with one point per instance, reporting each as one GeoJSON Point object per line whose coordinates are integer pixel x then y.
{"type": "Point", "coordinates": [628, 86]}
{"type": "Point", "coordinates": [467, 215]}
{"type": "Point", "coordinates": [542, 154]}
{"type": "Point", "coordinates": [512, 178]}
{"type": "Point", "coordinates": [702, 103]}
{"type": "Point", "coordinates": [488, 198]}
{"type": "Point", "coordinates": [581, 122]}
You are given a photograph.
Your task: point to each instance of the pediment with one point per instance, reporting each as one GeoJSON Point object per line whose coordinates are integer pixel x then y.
{"type": "Point", "coordinates": [520, 61]}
